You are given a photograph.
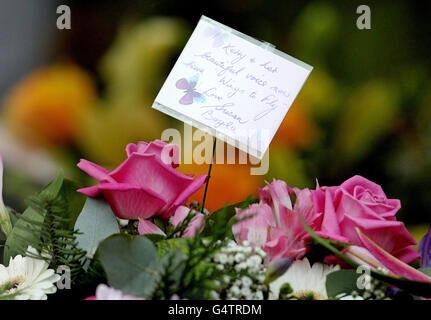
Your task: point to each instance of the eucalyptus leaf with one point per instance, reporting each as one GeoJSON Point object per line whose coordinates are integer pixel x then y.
{"type": "Point", "coordinates": [341, 281]}
{"type": "Point", "coordinates": [95, 223]}
{"type": "Point", "coordinates": [155, 237]}
{"type": "Point", "coordinates": [131, 264]}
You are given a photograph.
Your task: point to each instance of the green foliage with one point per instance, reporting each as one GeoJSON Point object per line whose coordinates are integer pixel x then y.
{"type": "Point", "coordinates": [220, 222]}
{"type": "Point", "coordinates": [286, 292]}
{"type": "Point", "coordinates": [25, 233]}
{"type": "Point", "coordinates": [341, 281]}
{"type": "Point", "coordinates": [198, 274]}
{"type": "Point", "coordinates": [131, 264]}
{"type": "Point", "coordinates": [170, 274]}
{"type": "Point", "coordinates": [157, 267]}
{"type": "Point", "coordinates": [167, 246]}
{"type": "Point", "coordinates": [95, 223]}
{"type": "Point", "coordinates": [46, 226]}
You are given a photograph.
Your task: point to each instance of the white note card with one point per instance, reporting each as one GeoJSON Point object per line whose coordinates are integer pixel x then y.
{"type": "Point", "coordinates": [232, 86]}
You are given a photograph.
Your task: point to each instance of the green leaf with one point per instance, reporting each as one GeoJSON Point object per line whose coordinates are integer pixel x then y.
{"type": "Point", "coordinates": [75, 201]}
{"type": "Point", "coordinates": [22, 235]}
{"type": "Point", "coordinates": [14, 216]}
{"type": "Point", "coordinates": [341, 281]}
{"type": "Point", "coordinates": [53, 188]}
{"type": "Point", "coordinates": [168, 246]}
{"type": "Point", "coordinates": [2, 243]}
{"type": "Point", "coordinates": [173, 265]}
{"type": "Point", "coordinates": [241, 205]}
{"type": "Point", "coordinates": [95, 223]}
{"type": "Point", "coordinates": [225, 216]}
{"type": "Point", "coordinates": [155, 238]}
{"type": "Point", "coordinates": [25, 234]}
{"type": "Point", "coordinates": [131, 264]}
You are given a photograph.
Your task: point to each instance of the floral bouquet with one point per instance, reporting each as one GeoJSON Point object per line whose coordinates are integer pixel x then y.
{"type": "Point", "coordinates": [135, 236]}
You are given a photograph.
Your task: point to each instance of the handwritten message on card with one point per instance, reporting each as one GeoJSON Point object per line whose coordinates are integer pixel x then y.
{"type": "Point", "coordinates": [229, 84]}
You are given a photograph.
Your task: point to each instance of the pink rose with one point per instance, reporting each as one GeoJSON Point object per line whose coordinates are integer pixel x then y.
{"type": "Point", "coordinates": [196, 224]}
{"type": "Point", "coordinates": [275, 224]}
{"type": "Point", "coordinates": [361, 203]}
{"type": "Point", "coordinates": [145, 184]}
{"type": "Point", "coordinates": [255, 222]}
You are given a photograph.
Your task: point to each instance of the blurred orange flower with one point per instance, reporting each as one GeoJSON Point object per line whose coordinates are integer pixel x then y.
{"type": "Point", "coordinates": [297, 130]}
{"type": "Point", "coordinates": [47, 106]}
{"type": "Point", "coordinates": [229, 183]}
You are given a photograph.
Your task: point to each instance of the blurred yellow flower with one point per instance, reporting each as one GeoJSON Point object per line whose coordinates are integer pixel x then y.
{"type": "Point", "coordinates": [47, 106]}
{"type": "Point", "coordinates": [108, 128]}
{"type": "Point", "coordinates": [138, 61]}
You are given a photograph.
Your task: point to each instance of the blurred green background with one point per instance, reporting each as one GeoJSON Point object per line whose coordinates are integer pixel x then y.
{"type": "Point", "coordinates": [88, 91]}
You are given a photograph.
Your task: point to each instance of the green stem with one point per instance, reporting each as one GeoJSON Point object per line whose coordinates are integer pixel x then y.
{"type": "Point", "coordinates": [5, 223]}
{"type": "Point", "coordinates": [209, 175]}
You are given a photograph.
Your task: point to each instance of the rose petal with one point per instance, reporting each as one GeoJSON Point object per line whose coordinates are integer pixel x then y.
{"type": "Point", "coordinates": [128, 201]}
{"type": "Point", "coordinates": [147, 227]}
{"type": "Point", "coordinates": [97, 172]}
{"type": "Point", "coordinates": [355, 181]}
{"type": "Point", "coordinates": [194, 186]}
{"type": "Point", "coordinates": [195, 225]}
{"type": "Point", "coordinates": [150, 171]}
{"type": "Point", "coordinates": [362, 256]}
{"type": "Point", "coordinates": [394, 265]}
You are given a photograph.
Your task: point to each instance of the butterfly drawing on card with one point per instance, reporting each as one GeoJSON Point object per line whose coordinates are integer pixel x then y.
{"type": "Point", "coordinates": [219, 37]}
{"type": "Point", "coordinates": [189, 87]}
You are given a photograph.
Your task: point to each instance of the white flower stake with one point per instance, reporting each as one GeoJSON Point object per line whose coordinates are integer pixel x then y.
{"type": "Point", "coordinates": [306, 281]}
{"type": "Point", "coordinates": [5, 223]}
{"type": "Point", "coordinates": [27, 279]}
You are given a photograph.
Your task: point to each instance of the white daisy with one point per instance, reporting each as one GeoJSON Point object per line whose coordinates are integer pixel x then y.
{"type": "Point", "coordinates": [306, 281]}
{"type": "Point", "coordinates": [27, 279]}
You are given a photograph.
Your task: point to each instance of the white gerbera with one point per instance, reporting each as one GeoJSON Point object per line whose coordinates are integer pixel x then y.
{"type": "Point", "coordinates": [27, 279]}
{"type": "Point", "coordinates": [306, 281]}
